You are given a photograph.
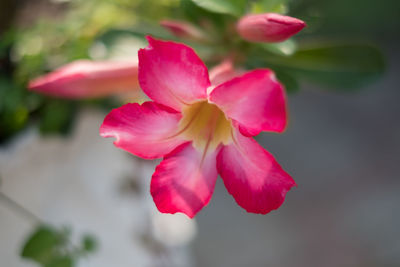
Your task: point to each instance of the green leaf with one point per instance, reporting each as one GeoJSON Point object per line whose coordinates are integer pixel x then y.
{"type": "Point", "coordinates": [339, 66]}
{"type": "Point", "coordinates": [51, 247]}
{"type": "Point", "coordinates": [41, 245]}
{"type": "Point", "coordinates": [211, 22]}
{"type": "Point", "coordinates": [89, 243]}
{"type": "Point", "coordinates": [13, 111]}
{"type": "Point", "coordinates": [7, 38]}
{"type": "Point", "coordinates": [290, 82]}
{"type": "Point", "coordinates": [275, 6]}
{"type": "Point", "coordinates": [137, 32]}
{"type": "Point", "coordinates": [61, 262]}
{"type": "Point", "coordinates": [120, 43]}
{"type": "Point", "coordinates": [57, 117]}
{"type": "Point", "coordinates": [232, 7]}
{"type": "Point", "coordinates": [285, 48]}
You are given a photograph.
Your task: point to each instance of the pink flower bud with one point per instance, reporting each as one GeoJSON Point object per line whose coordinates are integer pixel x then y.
{"type": "Point", "coordinates": [88, 79]}
{"type": "Point", "coordinates": [183, 29]}
{"type": "Point", "coordinates": [268, 27]}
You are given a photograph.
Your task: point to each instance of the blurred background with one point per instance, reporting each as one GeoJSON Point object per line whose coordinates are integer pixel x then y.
{"type": "Point", "coordinates": [70, 198]}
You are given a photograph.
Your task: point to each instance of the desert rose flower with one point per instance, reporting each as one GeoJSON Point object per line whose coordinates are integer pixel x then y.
{"type": "Point", "coordinates": [88, 79]}
{"type": "Point", "coordinates": [201, 133]}
{"type": "Point", "coordinates": [268, 27]}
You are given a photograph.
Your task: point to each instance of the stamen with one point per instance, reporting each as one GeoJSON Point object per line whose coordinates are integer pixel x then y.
{"type": "Point", "coordinates": [210, 136]}
{"type": "Point", "coordinates": [187, 125]}
{"type": "Point", "coordinates": [205, 125]}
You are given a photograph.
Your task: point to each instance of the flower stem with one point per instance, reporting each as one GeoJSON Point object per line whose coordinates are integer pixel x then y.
{"type": "Point", "coordinates": [13, 205]}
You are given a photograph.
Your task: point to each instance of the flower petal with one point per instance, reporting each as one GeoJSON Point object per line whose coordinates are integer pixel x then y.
{"type": "Point", "coordinates": [146, 130]}
{"type": "Point", "coordinates": [88, 79]}
{"type": "Point", "coordinates": [184, 181]}
{"type": "Point", "coordinates": [256, 101]}
{"type": "Point", "coordinates": [223, 72]}
{"type": "Point", "coordinates": [252, 175]}
{"type": "Point", "coordinates": [172, 74]}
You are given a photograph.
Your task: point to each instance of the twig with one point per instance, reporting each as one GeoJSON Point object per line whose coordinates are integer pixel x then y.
{"type": "Point", "coordinates": [13, 205]}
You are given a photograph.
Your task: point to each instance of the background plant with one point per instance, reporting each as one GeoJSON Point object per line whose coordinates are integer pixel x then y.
{"type": "Point", "coordinates": [98, 29]}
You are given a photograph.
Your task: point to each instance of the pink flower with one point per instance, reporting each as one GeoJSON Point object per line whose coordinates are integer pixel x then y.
{"type": "Point", "coordinates": [202, 131]}
{"type": "Point", "coordinates": [268, 27]}
{"type": "Point", "coordinates": [88, 79]}
{"type": "Point", "coordinates": [183, 29]}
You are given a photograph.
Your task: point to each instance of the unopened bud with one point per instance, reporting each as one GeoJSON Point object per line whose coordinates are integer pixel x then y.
{"type": "Point", "coordinates": [268, 27]}
{"type": "Point", "coordinates": [88, 79]}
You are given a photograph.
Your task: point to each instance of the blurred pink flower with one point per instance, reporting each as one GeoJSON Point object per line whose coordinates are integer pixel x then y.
{"type": "Point", "coordinates": [201, 133]}
{"type": "Point", "coordinates": [88, 79]}
{"type": "Point", "coordinates": [268, 27]}
{"type": "Point", "coordinates": [183, 29]}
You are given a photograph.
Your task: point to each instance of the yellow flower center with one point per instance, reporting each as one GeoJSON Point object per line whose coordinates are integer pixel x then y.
{"type": "Point", "coordinates": [206, 125]}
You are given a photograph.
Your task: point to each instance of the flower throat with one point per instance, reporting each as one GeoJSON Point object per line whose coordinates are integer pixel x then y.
{"type": "Point", "coordinates": [206, 125]}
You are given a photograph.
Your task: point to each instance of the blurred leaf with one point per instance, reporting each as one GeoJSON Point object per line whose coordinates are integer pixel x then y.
{"type": "Point", "coordinates": [7, 38]}
{"type": "Point", "coordinates": [118, 44]}
{"type": "Point", "coordinates": [274, 6]}
{"type": "Point", "coordinates": [340, 66]}
{"type": "Point", "coordinates": [51, 247]}
{"type": "Point", "coordinates": [232, 7]}
{"type": "Point", "coordinates": [61, 262]}
{"type": "Point", "coordinates": [57, 117]}
{"type": "Point", "coordinates": [211, 22]}
{"type": "Point", "coordinates": [89, 243]}
{"type": "Point", "coordinates": [41, 245]}
{"type": "Point", "coordinates": [192, 12]}
{"type": "Point", "coordinates": [11, 121]}
{"type": "Point", "coordinates": [139, 31]}
{"type": "Point", "coordinates": [126, 42]}
{"type": "Point", "coordinates": [349, 18]}
{"type": "Point", "coordinates": [10, 95]}
{"type": "Point", "coordinates": [290, 82]}
{"type": "Point", "coordinates": [111, 36]}
{"type": "Point", "coordinates": [13, 111]}
{"type": "Point", "coordinates": [285, 48]}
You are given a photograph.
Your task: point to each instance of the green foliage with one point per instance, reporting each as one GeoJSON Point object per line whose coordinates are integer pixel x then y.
{"type": "Point", "coordinates": [338, 66]}
{"type": "Point", "coordinates": [285, 48]}
{"type": "Point", "coordinates": [274, 6]}
{"type": "Point", "coordinates": [351, 18]}
{"type": "Point", "coordinates": [13, 111]}
{"type": "Point", "coordinates": [44, 246]}
{"type": "Point", "coordinates": [134, 35]}
{"type": "Point", "coordinates": [104, 29]}
{"type": "Point", "coordinates": [57, 117]}
{"type": "Point", "coordinates": [45, 45]}
{"type": "Point", "coordinates": [52, 247]}
{"type": "Point", "coordinates": [89, 244]}
{"type": "Point", "coordinates": [291, 84]}
{"type": "Point", "coordinates": [61, 262]}
{"type": "Point", "coordinates": [213, 23]}
{"type": "Point", "coordinates": [232, 7]}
